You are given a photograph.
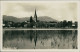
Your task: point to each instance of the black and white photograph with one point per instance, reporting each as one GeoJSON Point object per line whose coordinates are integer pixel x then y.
{"type": "Point", "coordinates": [39, 25]}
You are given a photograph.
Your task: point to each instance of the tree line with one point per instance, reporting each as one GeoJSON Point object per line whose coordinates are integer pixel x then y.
{"type": "Point", "coordinates": [40, 24]}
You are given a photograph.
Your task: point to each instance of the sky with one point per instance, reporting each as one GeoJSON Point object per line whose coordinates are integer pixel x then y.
{"type": "Point", "coordinates": [56, 10]}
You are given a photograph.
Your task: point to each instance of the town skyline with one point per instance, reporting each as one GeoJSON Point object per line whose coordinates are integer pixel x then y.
{"type": "Point", "coordinates": [34, 22]}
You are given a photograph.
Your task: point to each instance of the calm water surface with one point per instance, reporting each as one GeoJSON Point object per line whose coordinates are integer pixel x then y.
{"type": "Point", "coordinates": [40, 39]}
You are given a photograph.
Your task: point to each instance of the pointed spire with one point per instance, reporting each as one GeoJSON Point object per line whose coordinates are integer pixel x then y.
{"type": "Point", "coordinates": [35, 11]}
{"type": "Point", "coordinates": [35, 16]}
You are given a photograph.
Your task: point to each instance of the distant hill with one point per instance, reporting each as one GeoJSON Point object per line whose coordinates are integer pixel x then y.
{"type": "Point", "coordinates": [14, 19]}
{"type": "Point", "coordinates": [46, 18]}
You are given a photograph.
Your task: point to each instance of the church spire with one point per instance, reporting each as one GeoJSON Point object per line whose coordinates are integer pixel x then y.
{"type": "Point", "coordinates": [35, 16]}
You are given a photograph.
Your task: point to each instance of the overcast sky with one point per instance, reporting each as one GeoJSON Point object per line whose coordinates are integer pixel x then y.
{"type": "Point", "coordinates": [55, 10]}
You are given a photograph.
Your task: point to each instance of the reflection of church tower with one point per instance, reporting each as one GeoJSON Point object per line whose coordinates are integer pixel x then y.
{"type": "Point", "coordinates": [35, 16]}
{"type": "Point", "coordinates": [35, 37]}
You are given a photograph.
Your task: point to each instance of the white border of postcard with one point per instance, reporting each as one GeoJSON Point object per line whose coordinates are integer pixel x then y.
{"type": "Point", "coordinates": [35, 50]}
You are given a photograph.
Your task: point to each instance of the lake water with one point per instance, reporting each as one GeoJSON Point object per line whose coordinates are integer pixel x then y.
{"type": "Point", "coordinates": [40, 39]}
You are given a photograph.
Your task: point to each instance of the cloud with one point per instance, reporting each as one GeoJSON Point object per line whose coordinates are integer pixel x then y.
{"type": "Point", "coordinates": [32, 6]}
{"type": "Point", "coordinates": [59, 11]}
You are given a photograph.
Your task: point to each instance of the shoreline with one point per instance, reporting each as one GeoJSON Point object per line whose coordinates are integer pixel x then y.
{"type": "Point", "coordinates": [39, 29]}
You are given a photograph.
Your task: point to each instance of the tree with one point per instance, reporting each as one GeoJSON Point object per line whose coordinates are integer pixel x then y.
{"type": "Point", "coordinates": [76, 24]}
{"type": "Point", "coordinates": [23, 23]}
{"type": "Point", "coordinates": [64, 23]}
{"type": "Point", "coordinates": [69, 24]}
{"type": "Point", "coordinates": [31, 20]}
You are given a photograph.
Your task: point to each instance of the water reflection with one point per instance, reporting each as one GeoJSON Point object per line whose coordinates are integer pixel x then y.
{"type": "Point", "coordinates": [40, 39]}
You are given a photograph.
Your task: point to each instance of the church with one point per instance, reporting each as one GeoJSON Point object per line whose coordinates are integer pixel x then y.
{"type": "Point", "coordinates": [35, 19]}
{"type": "Point", "coordinates": [32, 23]}
{"type": "Point", "coordinates": [35, 23]}
{"type": "Point", "coordinates": [35, 16]}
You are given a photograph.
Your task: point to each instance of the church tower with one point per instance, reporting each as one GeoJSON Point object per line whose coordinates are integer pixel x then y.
{"type": "Point", "coordinates": [35, 16]}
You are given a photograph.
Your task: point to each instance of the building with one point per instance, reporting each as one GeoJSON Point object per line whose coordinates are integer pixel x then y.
{"type": "Point", "coordinates": [35, 19]}
{"type": "Point", "coordinates": [35, 16]}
